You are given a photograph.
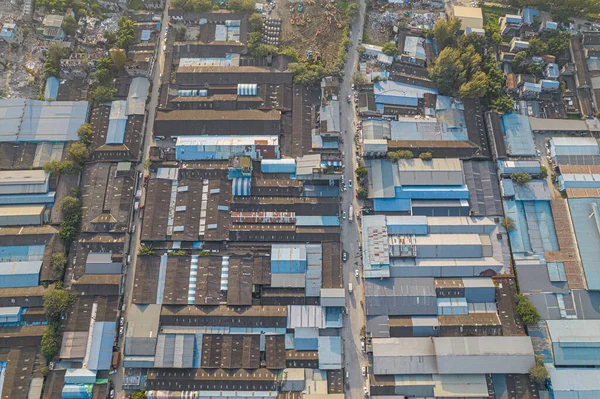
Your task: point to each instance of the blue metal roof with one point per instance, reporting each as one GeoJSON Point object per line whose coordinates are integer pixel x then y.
{"type": "Point", "coordinates": [317, 221]}
{"type": "Point", "coordinates": [247, 89]}
{"type": "Point", "coordinates": [102, 345]}
{"type": "Point", "coordinates": [306, 344]}
{"type": "Point", "coordinates": [20, 274]}
{"type": "Point", "coordinates": [47, 198]}
{"type": "Point", "coordinates": [519, 138]}
{"type": "Point", "coordinates": [71, 391]}
{"type": "Point", "coordinates": [556, 271]}
{"type": "Point", "coordinates": [550, 84]}
{"type": "Point", "coordinates": [529, 14]}
{"type": "Point", "coordinates": [330, 353]}
{"type": "Point", "coordinates": [320, 191]}
{"type": "Point", "coordinates": [146, 35]}
{"type": "Point", "coordinates": [241, 186]}
{"type": "Point", "coordinates": [588, 236]}
{"type": "Point", "coordinates": [14, 253]}
{"type": "Point", "coordinates": [395, 93]}
{"type": "Point", "coordinates": [391, 204]}
{"type": "Point", "coordinates": [288, 258]}
{"type": "Point", "coordinates": [51, 89]}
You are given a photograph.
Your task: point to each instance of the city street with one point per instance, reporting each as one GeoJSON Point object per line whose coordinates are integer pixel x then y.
{"type": "Point", "coordinates": [354, 357]}
{"type": "Point", "coordinates": [134, 240]}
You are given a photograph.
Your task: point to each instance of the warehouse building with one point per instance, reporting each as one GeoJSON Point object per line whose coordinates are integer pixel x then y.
{"type": "Point", "coordinates": [453, 355]}
{"type": "Point", "coordinates": [575, 342]}
{"type": "Point", "coordinates": [20, 274]}
{"type": "Point", "coordinates": [585, 214]}
{"type": "Point", "coordinates": [470, 17]}
{"type": "Point", "coordinates": [193, 148]}
{"type": "Point", "coordinates": [22, 215]}
{"type": "Point", "coordinates": [419, 246]}
{"type": "Point", "coordinates": [574, 150]}
{"type": "Point", "coordinates": [35, 121]}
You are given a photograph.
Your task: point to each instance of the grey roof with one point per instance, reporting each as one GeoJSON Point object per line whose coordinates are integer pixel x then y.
{"type": "Point", "coordinates": [535, 278]}
{"type": "Point", "coordinates": [489, 355]}
{"type": "Point", "coordinates": [404, 356]}
{"type": "Point", "coordinates": [378, 326]}
{"type": "Point", "coordinates": [484, 190]}
{"type": "Point", "coordinates": [175, 351]}
{"type": "Point", "coordinates": [383, 176]}
{"type": "Point", "coordinates": [33, 120]}
{"type": "Point", "coordinates": [376, 129]}
{"type": "Point", "coordinates": [436, 172]}
{"type": "Point", "coordinates": [586, 303]}
{"type": "Point", "coordinates": [400, 296]}
{"type": "Point", "coordinates": [136, 98]}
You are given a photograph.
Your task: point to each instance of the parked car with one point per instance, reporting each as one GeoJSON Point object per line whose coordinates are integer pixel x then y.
{"type": "Point", "coordinates": [356, 274]}
{"type": "Point", "coordinates": [344, 216]}
{"type": "Point", "coordinates": [364, 371]}
{"type": "Point", "coordinates": [344, 256]}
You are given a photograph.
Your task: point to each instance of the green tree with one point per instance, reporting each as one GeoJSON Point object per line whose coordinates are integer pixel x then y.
{"type": "Point", "coordinates": [426, 156]}
{"type": "Point", "coordinates": [406, 154]}
{"type": "Point", "coordinates": [53, 167]}
{"type": "Point", "coordinates": [361, 50]}
{"type": "Point", "coordinates": [139, 395]}
{"type": "Point", "coordinates": [559, 42]}
{"type": "Point", "coordinates": [69, 25]}
{"type": "Point", "coordinates": [508, 224]}
{"type": "Point", "coordinates": [79, 152]}
{"type": "Point", "coordinates": [543, 172]}
{"type": "Point", "coordinates": [179, 252]}
{"type": "Point", "coordinates": [448, 70]}
{"type": "Point", "coordinates": [181, 33]}
{"type": "Point", "coordinates": [57, 302]}
{"type": "Point", "coordinates": [118, 58]}
{"type": "Point", "coordinates": [519, 61]}
{"type": "Point", "coordinates": [537, 48]}
{"type": "Point", "coordinates": [256, 22]}
{"type": "Point", "coordinates": [477, 87]}
{"type": "Point", "coordinates": [361, 172]}
{"type": "Point", "coordinates": [526, 310]}
{"type": "Point", "coordinates": [536, 69]}
{"type": "Point", "coordinates": [538, 373]}
{"type": "Point", "coordinates": [291, 52]}
{"type": "Point", "coordinates": [59, 261]}
{"type": "Point", "coordinates": [393, 156]}
{"type": "Point", "coordinates": [476, 40]}
{"type": "Point", "coordinates": [85, 133]}
{"type": "Point", "coordinates": [125, 33]}
{"type": "Point", "coordinates": [492, 32]}
{"type": "Point", "coordinates": [362, 193]}
{"type": "Point", "coordinates": [70, 207]}
{"type": "Point", "coordinates": [503, 104]}
{"type": "Point", "coordinates": [146, 250]}
{"type": "Point", "coordinates": [359, 79]}
{"type": "Point", "coordinates": [50, 342]}
{"type": "Point", "coordinates": [389, 48]}
{"type": "Point", "coordinates": [111, 37]}
{"type": "Point", "coordinates": [204, 252]}
{"type": "Point", "coordinates": [67, 233]}
{"type": "Point", "coordinates": [103, 94]}
{"type": "Point", "coordinates": [521, 178]}
{"type": "Point", "coordinates": [445, 31]}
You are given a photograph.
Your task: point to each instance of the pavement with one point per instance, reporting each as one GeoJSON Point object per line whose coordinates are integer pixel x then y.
{"type": "Point", "coordinates": [134, 238]}
{"type": "Point", "coordinates": [354, 357]}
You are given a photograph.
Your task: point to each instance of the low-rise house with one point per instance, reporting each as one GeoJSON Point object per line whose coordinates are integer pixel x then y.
{"type": "Point", "coordinates": [11, 33]}
{"type": "Point", "coordinates": [52, 27]}
{"type": "Point", "coordinates": [140, 63]}
{"type": "Point", "coordinates": [510, 25]}
{"type": "Point", "coordinates": [517, 45]}
{"type": "Point", "coordinates": [550, 85]}
{"type": "Point", "coordinates": [530, 91]}
{"type": "Point", "coordinates": [551, 71]}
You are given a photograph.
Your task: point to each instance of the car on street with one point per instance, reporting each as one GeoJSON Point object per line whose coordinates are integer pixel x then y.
{"type": "Point", "coordinates": [112, 394]}
{"type": "Point", "coordinates": [344, 216]}
{"type": "Point", "coordinates": [356, 273]}
{"type": "Point", "coordinates": [344, 187]}
{"type": "Point", "coordinates": [349, 98]}
{"type": "Point", "coordinates": [364, 371]}
{"type": "Point", "coordinates": [344, 256]}
{"type": "Point", "coordinates": [350, 183]}
{"type": "Point", "coordinates": [538, 152]}
{"type": "Point", "coordinates": [122, 321]}
{"type": "Point", "coordinates": [362, 346]}
{"type": "Point", "coordinates": [366, 391]}
{"type": "Point", "coordinates": [121, 331]}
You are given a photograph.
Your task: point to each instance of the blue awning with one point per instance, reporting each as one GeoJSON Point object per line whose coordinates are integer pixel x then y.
{"type": "Point", "coordinates": [241, 186]}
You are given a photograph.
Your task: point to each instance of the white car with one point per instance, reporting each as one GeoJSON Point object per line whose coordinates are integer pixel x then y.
{"type": "Point", "coordinates": [344, 215]}
{"type": "Point", "coordinates": [538, 152]}
{"type": "Point", "coordinates": [364, 372]}
{"type": "Point", "coordinates": [356, 273]}
{"type": "Point", "coordinates": [366, 391]}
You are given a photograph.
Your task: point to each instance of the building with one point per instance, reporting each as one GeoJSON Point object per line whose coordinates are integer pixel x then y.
{"type": "Point", "coordinates": [29, 120]}
{"type": "Point", "coordinates": [391, 94]}
{"type": "Point", "coordinates": [575, 127]}
{"type": "Point", "coordinates": [222, 147]}
{"type": "Point", "coordinates": [510, 25]}
{"type": "Point", "coordinates": [517, 45]}
{"type": "Point", "coordinates": [518, 137]}
{"type": "Point", "coordinates": [470, 17]}
{"type": "Point", "coordinates": [552, 71]}
{"type": "Point", "coordinates": [52, 27]}
{"type": "Point", "coordinates": [452, 355]}
{"type": "Point", "coordinates": [574, 342]}
{"type": "Point", "coordinates": [11, 33]}
{"type": "Point", "coordinates": [575, 383]}
{"type": "Point", "coordinates": [415, 50]}
{"type": "Point", "coordinates": [569, 146]}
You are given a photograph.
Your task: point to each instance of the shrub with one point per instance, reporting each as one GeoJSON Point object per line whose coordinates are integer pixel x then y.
{"type": "Point", "coordinates": [362, 193]}
{"type": "Point", "coordinates": [521, 178]}
{"type": "Point", "coordinates": [426, 156]}
{"type": "Point", "coordinates": [526, 310]}
{"type": "Point", "coordinates": [361, 172]}
{"type": "Point", "coordinates": [59, 261]}
{"type": "Point", "coordinates": [508, 224]}
{"type": "Point", "coordinates": [146, 250]}
{"type": "Point", "coordinates": [538, 373]}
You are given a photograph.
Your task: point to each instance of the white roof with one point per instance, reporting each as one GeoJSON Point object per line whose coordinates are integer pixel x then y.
{"type": "Point", "coordinates": [10, 177]}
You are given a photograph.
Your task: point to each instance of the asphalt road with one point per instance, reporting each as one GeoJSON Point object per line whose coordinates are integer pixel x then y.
{"type": "Point", "coordinates": [354, 357]}
{"type": "Point", "coordinates": [134, 239]}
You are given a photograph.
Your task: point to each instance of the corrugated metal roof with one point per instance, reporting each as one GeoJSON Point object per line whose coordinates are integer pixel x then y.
{"type": "Point", "coordinates": [436, 172]}
{"type": "Point", "coordinates": [288, 258]}
{"type": "Point", "coordinates": [33, 120]}
{"type": "Point", "coordinates": [517, 132]}
{"type": "Point", "coordinates": [400, 296]}
{"type": "Point", "coordinates": [575, 383]}
{"type": "Point", "coordinates": [575, 342]}
{"type": "Point", "coordinates": [404, 356]}
{"type": "Point", "coordinates": [20, 274]}
{"type": "Point", "coordinates": [51, 89]}
{"type": "Point", "coordinates": [317, 221]}
{"type": "Point", "coordinates": [175, 351]}
{"type": "Point", "coordinates": [100, 351]}
{"type": "Point", "coordinates": [587, 232]}
{"type": "Point", "coordinates": [330, 353]}
{"type": "Point", "coordinates": [305, 316]}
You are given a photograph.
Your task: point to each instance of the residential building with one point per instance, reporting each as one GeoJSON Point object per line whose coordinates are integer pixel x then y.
{"type": "Point", "coordinates": [470, 17]}
{"type": "Point", "coordinates": [52, 27]}
{"type": "Point", "coordinates": [11, 33]}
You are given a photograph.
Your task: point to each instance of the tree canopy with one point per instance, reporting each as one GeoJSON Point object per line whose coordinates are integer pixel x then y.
{"type": "Point", "coordinates": [445, 31]}
{"type": "Point", "coordinates": [69, 25]}
{"type": "Point", "coordinates": [57, 302]}
{"type": "Point", "coordinates": [193, 5]}
{"type": "Point", "coordinates": [521, 178]}
{"type": "Point", "coordinates": [526, 310]}
{"type": "Point", "coordinates": [125, 33]}
{"type": "Point", "coordinates": [389, 48]}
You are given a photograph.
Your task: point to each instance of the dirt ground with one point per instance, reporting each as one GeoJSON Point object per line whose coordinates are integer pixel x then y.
{"type": "Point", "coordinates": [304, 38]}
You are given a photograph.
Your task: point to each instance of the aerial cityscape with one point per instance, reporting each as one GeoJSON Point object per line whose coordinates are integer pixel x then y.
{"type": "Point", "coordinates": [299, 199]}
